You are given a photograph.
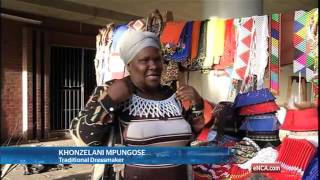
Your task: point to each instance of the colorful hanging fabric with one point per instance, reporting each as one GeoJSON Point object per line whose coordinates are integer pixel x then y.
{"type": "Point", "coordinates": [258, 58]}
{"type": "Point", "coordinates": [299, 41]}
{"type": "Point", "coordinates": [208, 61]}
{"type": "Point", "coordinates": [229, 46]}
{"type": "Point", "coordinates": [243, 42]}
{"type": "Point", "coordinates": [108, 63]}
{"type": "Point", "coordinates": [196, 25]}
{"type": "Point", "coordinates": [116, 66]}
{"type": "Point", "coordinates": [171, 36]}
{"type": "Point", "coordinates": [103, 44]}
{"type": "Point", "coordinates": [116, 36]}
{"type": "Point", "coordinates": [274, 59]}
{"type": "Point", "coordinates": [138, 25]}
{"type": "Point", "coordinates": [312, 44]}
{"type": "Point", "coordinates": [218, 40]}
{"type": "Point", "coordinates": [195, 39]}
{"type": "Point", "coordinates": [198, 63]}
{"type": "Point", "coordinates": [183, 50]}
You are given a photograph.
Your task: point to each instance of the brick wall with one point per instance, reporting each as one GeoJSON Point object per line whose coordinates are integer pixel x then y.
{"type": "Point", "coordinates": [21, 43]}
{"type": "Point", "coordinates": [11, 93]}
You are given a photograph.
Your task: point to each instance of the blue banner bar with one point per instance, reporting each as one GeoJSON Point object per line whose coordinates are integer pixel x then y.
{"type": "Point", "coordinates": [113, 155]}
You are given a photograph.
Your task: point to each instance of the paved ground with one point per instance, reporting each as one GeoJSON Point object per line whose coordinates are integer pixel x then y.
{"type": "Point", "coordinates": [76, 172]}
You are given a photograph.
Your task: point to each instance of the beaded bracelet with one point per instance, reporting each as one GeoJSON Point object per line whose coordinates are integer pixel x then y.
{"type": "Point", "coordinates": [252, 143]}
{"type": "Point", "coordinates": [107, 104]}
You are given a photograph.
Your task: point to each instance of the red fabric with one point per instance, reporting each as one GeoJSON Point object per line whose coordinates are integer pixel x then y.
{"type": "Point", "coordinates": [301, 120]}
{"type": "Point", "coordinates": [214, 171]}
{"type": "Point", "coordinates": [236, 173]}
{"type": "Point", "coordinates": [199, 176]}
{"type": "Point", "coordinates": [203, 136]}
{"type": "Point", "coordinates": [207, 112]}
{"type": "Point", "coordinates": [229, 47]}
{"type": "Point", "coordinates": [207, 115]}
{"type": "Point", "coordinates": [208, 120]}
{"type": "Point", "coordinates": [260, 108]}
{"type": "Point", "coordinates": [186, 104]}
{"type": "Point", "coordinates": [195, 39]}
{"type": "Point", "coordinates": [171, 32]}
{"type": "Point", "coordinates": [283, 175]}
{"type": "Point", "coordinates": [296, 152]}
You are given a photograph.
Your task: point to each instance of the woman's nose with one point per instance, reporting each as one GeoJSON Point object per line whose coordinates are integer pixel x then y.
{"type": "Point", "coordinates": [154, 64]}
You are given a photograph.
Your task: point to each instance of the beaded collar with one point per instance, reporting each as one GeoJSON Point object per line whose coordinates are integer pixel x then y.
{"type": "Point", "coordinates": [141, 107]}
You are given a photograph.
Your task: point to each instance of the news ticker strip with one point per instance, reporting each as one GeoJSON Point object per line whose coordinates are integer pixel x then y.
{"type": "Point", "coordinates": [114, 155]}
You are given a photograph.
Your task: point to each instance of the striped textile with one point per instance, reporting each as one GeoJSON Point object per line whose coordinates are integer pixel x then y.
{"type": "Point", "coordinates": [300, 42]}
{"type": "Point", "coordinates": [312, 44]}
{"type": "Point", "coordinates": [274, 58]}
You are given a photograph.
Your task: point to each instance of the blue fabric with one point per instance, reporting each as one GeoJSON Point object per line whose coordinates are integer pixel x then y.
{"type": "Point", "coordinates": [311, 172]}
{"type": "Point", "coordinates": [260, 123]}
{"type": "Point", "coordinates": [274, 33]}
{"type": "Point", "coordinates": [253, 97]}
{"type": "Point", "coordinates": [183, 52]}
{"type": "Point", "coordinates": [117, 33]}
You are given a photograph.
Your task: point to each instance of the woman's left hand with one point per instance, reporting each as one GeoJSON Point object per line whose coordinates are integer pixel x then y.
{"type": "Point", "coordinates": [186, 92]}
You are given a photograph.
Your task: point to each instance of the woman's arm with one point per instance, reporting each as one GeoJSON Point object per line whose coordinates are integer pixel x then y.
{"type": "Point", "coordinates": [198, 115]}
{"type": "Point", "coordinates": [93, 124]}
{"type": "Point", "coordinates": [196, 110]}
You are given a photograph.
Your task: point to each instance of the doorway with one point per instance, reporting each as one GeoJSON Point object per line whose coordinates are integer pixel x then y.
{"type": "Point", "coordinates": [72, 81]}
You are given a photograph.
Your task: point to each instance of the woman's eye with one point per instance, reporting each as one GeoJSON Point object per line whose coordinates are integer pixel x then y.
{"type": "Point", "coordinates": [144, 60]}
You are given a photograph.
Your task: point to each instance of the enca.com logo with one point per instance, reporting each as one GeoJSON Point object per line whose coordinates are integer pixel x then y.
{"type": "Point", "coordinates": [265, 167]}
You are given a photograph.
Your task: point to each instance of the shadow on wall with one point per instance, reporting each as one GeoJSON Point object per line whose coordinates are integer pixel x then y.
{"type": "Point", "coordinates": [211, 86]}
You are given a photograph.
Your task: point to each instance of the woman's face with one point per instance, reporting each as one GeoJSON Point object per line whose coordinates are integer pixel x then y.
{"type": "Point", "coordinates": [145, 69]}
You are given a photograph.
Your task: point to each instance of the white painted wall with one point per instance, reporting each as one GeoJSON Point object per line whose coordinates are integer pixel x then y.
{"type": "Point", "coordinates": [285, 73]}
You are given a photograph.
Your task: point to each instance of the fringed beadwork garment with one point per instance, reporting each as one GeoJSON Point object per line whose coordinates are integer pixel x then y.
{"type": "Point", "coordinates": [299, 41]}
{"type": "Point", "coordinates": [244, 39]}
{"type": "Point", "coordinates": [312, 45]}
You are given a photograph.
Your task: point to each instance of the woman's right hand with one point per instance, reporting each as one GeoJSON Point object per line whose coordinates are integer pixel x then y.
{"type": "Point", "coordinates": [120, 90]}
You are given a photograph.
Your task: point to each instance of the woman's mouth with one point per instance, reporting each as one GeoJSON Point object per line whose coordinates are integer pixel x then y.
{"type": "Point", "coordinates": [153, 77]}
